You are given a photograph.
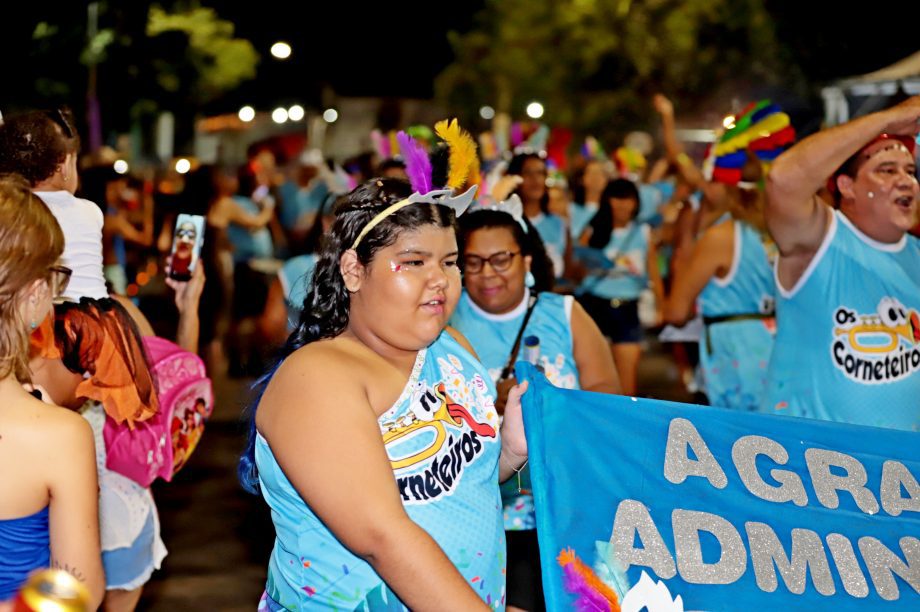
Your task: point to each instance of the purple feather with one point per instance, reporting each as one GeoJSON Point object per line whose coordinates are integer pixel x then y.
{"type": "Point", "coordinates": [418, 166]}
{"type": "Point", "coordinates": [517, 134]}
{"type": "Point", "coordinates": [588, 599]}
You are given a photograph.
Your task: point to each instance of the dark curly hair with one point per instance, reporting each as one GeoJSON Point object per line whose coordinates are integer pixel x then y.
{"type": "Point", "coordinates": [34, 143]}
{"type": "Point", "coordinates": [326, 308]}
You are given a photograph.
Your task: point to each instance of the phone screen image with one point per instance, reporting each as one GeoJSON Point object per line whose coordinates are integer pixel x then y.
{"type": "Point", "coordinates": [186, 247]}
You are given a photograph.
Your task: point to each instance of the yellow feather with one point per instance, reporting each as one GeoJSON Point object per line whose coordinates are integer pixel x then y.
{"type": "Point", "coordinates": [462, 152]}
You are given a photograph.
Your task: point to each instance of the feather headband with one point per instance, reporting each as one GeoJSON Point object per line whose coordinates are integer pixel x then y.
{"type": "Point", "coordinates": [444, 197]}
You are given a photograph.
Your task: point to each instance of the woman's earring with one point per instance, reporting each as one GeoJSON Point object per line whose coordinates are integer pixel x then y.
{"type": "Point", "coordinates": [529, 280]}
{"type": "Point", "coordinates": [33, 325]}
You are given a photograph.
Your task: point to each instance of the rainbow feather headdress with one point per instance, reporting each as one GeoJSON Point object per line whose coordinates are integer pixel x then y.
{"type": "Point", "coordinates": [463, 169]}
{"type": "Point", "coordinates": [761, 128]}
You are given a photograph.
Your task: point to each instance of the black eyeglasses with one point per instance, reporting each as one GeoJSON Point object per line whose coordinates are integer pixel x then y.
{"type": "Point", "coordinates": [500, 261]}
{"type": "Point", "coordinates": [59, 279]}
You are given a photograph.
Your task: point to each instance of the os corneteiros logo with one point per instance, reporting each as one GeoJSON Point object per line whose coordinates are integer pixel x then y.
{"type": "Point", "coordinates": [877, 348]}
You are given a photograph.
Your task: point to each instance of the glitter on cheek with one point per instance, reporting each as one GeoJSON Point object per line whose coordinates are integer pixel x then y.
{"type": "Point", "coordinates": [395, 267]}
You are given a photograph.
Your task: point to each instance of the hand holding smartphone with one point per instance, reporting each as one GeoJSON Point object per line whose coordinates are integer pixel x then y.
{"type": "Point", "coordinates": [186, 248]}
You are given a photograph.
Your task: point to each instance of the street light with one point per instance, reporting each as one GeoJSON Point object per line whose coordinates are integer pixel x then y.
{"type": "Point", "coordinates": [279, 115]}
{"type": "Point", "coordinates": [281, 50]}
{"type": "Point", "coordinates": [183, 165]}
{"type": "Point", "coordinates": [487, 112]}
{"type": "Point", "coordinates": [296, 112]}
{"type": "Point", "coordinates": [330, 115]}
{"type": "Point", "coordinates": [120, 166]}
{"type": "Point", "coordinates": [534, 110]}
{"type": "Point", "coordinates": [247, 114]}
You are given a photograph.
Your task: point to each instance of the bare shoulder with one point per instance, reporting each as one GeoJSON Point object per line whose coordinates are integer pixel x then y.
{"type": "Point", "coordinates": [324, 362]}
{"type": "Point", "coordinates": [55, 427]}
{"type": "Point", "coordinates": [461, 339]}
{"type": "Point", "coordinates": [719, 235]}
{"type": "Point", "coordinates": [334, 368]}
{"type": "Point", "coordinates": [143, 325]}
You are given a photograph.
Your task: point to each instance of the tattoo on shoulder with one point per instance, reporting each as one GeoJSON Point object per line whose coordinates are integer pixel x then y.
{"type": "Point", "coordinates": [73, 571]}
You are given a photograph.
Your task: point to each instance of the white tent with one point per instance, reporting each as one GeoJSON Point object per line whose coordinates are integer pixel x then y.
{"type": "Point", "coordinates": [868, 91]}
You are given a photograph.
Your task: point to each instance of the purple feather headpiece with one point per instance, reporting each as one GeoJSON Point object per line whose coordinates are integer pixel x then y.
{"type": "Point", "coordinates": [418, 166]}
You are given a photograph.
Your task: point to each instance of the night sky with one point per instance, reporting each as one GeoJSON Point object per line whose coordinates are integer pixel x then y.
{"type": "Point", "coordinates": [397, 48]}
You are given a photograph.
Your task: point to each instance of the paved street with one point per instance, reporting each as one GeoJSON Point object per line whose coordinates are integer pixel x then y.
{"type": "Point", "coordinates": [219, 537]}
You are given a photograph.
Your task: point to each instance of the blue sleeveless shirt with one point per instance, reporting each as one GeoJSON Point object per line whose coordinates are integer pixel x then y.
{"type": "Point", "coordinates": [580, 216]}
{"type": "Point", "coordinates": [295, 276]}
{"type": "Point", "coordinates": [554, 234]}
{"type": "Point", "coordinates": [734, 355]}
{"type": "Point", "coordinates": [628, 276]}
{"type": "Point", "coordinates": [24, 546]}
{"type": "Point", "coordinates": [492, 336]}
{"type": "Point", "coordinates": [442, 438]}
{"type": "Point", "coordinates": [848, 341]}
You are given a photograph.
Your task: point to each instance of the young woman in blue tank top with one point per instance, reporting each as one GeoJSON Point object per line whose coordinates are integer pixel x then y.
{"type": "Point", "coordinates": [534, 195]}
{"type": "Point", "coordinates": [728, 279]}
{"type": "Point", "coordinates": [848, 305]}
{"type": "Point", "coordinates": [288, 291]}
{"type": "Point", "coordinates": [618, 261]}
{"type": "Point", "coordinates": [376, 442]}
{"type": "Point", "coordinates": [587, 187]}
{"type": "Point", "coordinates": [505, 275]}
{"type": "Point", "coordinates": [48, 493]}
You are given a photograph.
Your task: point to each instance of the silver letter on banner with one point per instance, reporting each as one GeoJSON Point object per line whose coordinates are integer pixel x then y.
{"type": "Point", "coordinates": [745, 452]}
{"type": "Point", "coordinates": [894, 475]}
{"type": "Point", "coordinates": [678, 465]}
{"type": "Point", "coordinates": [732, 560]}
{"type": "Point", "coordinates": [882, 563]}
{"type": "Point", "coordinates": [767, 556]}
{"type": "Point", "coordinates": [854, 582]}
{"type": "Point", "coordinates": [633, 517]}
{"type": "Point", "coordinates": [826, 484]}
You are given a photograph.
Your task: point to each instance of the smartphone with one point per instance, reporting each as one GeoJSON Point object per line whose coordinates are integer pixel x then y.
{"type": "Point", "coordinates": [186, 246]}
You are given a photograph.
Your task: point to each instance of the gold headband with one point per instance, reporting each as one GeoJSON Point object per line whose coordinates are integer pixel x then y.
{"type": "Point", "coordinates": [383, 214]}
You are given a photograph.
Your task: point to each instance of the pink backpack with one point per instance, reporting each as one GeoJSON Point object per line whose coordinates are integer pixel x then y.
{"type": "Point", "coordinates": [160, 446]}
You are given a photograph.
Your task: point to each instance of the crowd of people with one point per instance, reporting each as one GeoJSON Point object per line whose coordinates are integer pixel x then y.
{"type": "Point", "coordinates": [383, 312]}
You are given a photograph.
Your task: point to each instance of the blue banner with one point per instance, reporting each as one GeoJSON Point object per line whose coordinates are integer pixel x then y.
{"type": "Point", "coordinates": [641, 502]}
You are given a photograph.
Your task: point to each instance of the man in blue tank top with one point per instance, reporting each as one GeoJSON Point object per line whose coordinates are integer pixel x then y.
{"type": "Point", "coordinates": [848, 299]}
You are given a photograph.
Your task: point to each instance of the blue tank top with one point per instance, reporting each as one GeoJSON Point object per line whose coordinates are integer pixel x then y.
{"type": "Point", "coordinates": [442, 439]}
{"type": "Point", "coordinates": [734, 355]}
{"type": "Point", "coordinates": [249, 244]}
{"type": "Point", "coordinates": [848, 340]}
{"type": "Point", "coordinates": [295, 276]}
{"type": "Point", "coordinates": [748, 288]}
{"type": "Point", "coordinates": [580, 216]}
{"type": "Point", "coordinates": [24, 546]}
{"type": "Point", "coordinates": [493, 337]}
{"type": "Point", "coordinates": [628, 276]}
{"type": "Point", "coordinates": [554, 234]}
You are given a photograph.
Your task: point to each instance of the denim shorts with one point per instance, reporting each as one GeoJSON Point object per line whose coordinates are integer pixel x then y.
{"type": "Point", "coordinates": [618, 319]}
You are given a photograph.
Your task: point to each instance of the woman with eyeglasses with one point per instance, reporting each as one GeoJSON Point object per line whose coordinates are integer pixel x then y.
{"type": "Point", "coordinates": [509, 313]}
{"type": "Point", "coordinates": [48, 492]}
{"type": "Point", "coordinates": [43, 147]}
